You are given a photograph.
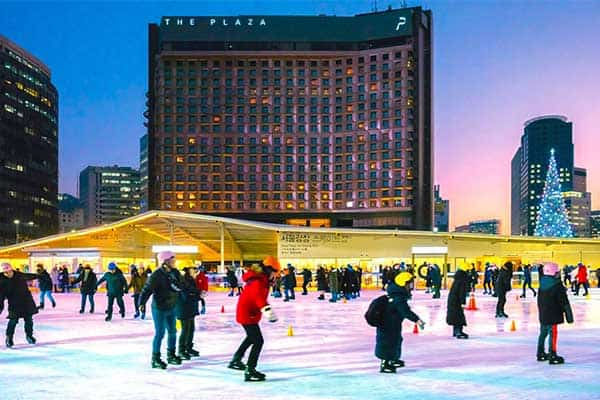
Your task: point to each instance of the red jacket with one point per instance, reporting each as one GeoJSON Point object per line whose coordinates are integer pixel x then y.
{"type": "Point", "coordinates": [202, 281]}
{"type": "Point", "coordinates": [582, 274]}
{"type": "Point", "coordinates": [253, 298]}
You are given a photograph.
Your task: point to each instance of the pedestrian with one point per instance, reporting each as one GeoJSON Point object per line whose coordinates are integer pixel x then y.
{"type": "Point", "coordinates": [45, 286]}
{"type": "Point", "coordinates": [334, 283]}
{"type": "Point", "coordinates": [321, 282]}
{"type": "Point", "coordinates": [385, 277]}
{"type": "Point", "coordinates": [239, 272]}
{"type": "Point", "coordinates": [63, 278]}
{"type": "Point", "coordinates": [388, 342]}
{"type": "Point", "coordinates": [358, 275]}
{"type": "Point", "coordinates": [13, 287]}
{"type": "Point", "coordinates": [289, 283]}
{"type": "Point", "coordinates": [306, 279]}
{"type": "Point", "coordinates": [473, 278]}
{"type": "Point", "coordinates": [495, 273]}
{"type": "Point", "coordinates": [487, 279]}
{"type": "Point", "coordinates": [427, 276]}
{"type": "Point", "coordinates": [87, 289]}
{"type": "Point", "coordinates": [566, 276]}
{"type": "Point", "coordinates": [503, 286]}
{"type": "Point", "coordinates": [457, 297]}
{"type": "Point", "coordinates": [436, 280]}
{"type": "Point", "coordinates": [164, 285]}
{"type": "Point", "coordinates": [252, 304]}
{"type": "Point", "coordinates": [137, 282]}
{"type": "Point", "coordinates": [582, 279]}
{"type": "Point", "coordinates": [202, 285]}
{"type": "Point", "coordinates": [54, 275]}
{"type": "Point", "coordinates": [116, 286]}
{"type": "Point", "coordinates": [553, 309]}
{"type": "Point", "coordinates": [187, 309]}
{"type": "Point", "coordinates": [231, 281]}
{"type": "Point", "coordinates": [527, 281]}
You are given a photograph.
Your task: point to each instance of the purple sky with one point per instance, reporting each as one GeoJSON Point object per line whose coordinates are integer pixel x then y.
{"type": "Point", "coordinates": [497, 64]}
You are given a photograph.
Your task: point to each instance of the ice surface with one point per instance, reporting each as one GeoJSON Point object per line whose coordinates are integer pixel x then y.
{"type": "Point", "coordinates": [330, 355]}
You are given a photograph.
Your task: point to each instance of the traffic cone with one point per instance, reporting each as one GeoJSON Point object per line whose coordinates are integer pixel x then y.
{"type": "Point", "coordinates": [416, 329]}
{"type": "Point", "coordinates": [222, 308]}
{"type": "Point", "coordinates": [290, 331]}
{"type": "Point", "coordinates": [472, 306]}
{"type": "Point", "coordinates": [345, 300]}
{"type": "Point", "coordinates": [513, 326]}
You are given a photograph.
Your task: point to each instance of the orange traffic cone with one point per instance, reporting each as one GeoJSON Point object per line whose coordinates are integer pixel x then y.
{"type": "Point", "coordinates": [513, 326]}
{"type": "Point", "coordinates": [345, 300]}
{"type": "Point", "coordinates": [416, 329]}
{"type": "Point", "coordinates": [290, 331]}
{"type": "Point", "coordinates": [222, 308]}
{"type": "Point", "coordinates": [472, 306]}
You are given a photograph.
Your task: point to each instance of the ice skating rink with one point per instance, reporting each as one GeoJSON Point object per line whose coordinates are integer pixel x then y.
{"type": "Point", "coordinates": [329, 356]}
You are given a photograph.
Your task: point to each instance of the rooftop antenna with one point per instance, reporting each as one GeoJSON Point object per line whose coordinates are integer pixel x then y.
{"type": "Point", "coordinates": [373, 5]}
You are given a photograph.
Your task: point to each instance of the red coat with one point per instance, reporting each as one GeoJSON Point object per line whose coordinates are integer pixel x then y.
{"type": "Point", "coordinates": [582, 274]}
{"type": "Point", "coordinates": [202, 281]}
{"type": "Point", "coordinates": [253, 298]}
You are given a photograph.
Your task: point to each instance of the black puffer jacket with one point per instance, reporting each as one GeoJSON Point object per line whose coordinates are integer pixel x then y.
{"type": "Point", "coordinates": [88, 280]}
{"type": "Point", "coordinates": [553, 303]}
{"type": "Point", "coordinates": [187, 302]}
{"type": "Point", "coordinates": [44, 281]}
{"type": "Point", "coordinates": [16, 291]}
{"type": "Point", "coordinates": [164, 286]}
{"type": "Point", "coordinates": [456, 298]}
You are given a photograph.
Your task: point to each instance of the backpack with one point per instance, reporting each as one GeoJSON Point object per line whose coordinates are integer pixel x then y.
{"type": "Point", "coordinates": [375, 312]}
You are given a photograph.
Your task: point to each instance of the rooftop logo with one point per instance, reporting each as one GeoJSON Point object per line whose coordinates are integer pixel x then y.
{"type": "Point", "coordinates": [235, 22]}
{"type": "Point", "coordinates": [401, 22]}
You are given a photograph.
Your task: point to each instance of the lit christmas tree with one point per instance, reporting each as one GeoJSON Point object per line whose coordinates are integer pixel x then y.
{"type": "Point", "coordinates": [552, 217]}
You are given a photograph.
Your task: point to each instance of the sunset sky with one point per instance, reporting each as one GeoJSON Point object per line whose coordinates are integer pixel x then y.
{"type": "Point", "coordinates": [497, 64]}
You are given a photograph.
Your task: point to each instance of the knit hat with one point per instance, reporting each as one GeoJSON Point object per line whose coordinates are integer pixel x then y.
{"type": "Point", "coordinates": [402, 278]}
{"type": "Point", "coordinates": [164, 256]}
{"type": "Point", "coordinates": [550, 268]}
{"type": "Point", "coordinates": [6, 267]}
{"type": "Point", "coordinates": [112, 266]}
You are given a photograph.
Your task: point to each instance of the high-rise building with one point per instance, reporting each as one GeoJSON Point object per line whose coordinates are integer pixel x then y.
{"type": "Point", "coordinates": [579, 204]}
{"type": "Point", "coordinates": [529, 167]}
{"type": "Point", "coordinates": [311, 120]}
{"type": "Point", "coordinates": [442, 211]}
{"type": "Point", "coordinates": [28, 146]}
{"type": "Point", "coordinates": [595, 223]}
{"type": "Point", "coordinates": [109, 194]}
{"type": "Point", "coordinates": [144, 173]}
{"type": "Point", "coordinates": [70, 213]}
{"type": "Point", "coordinates": [487, 226]}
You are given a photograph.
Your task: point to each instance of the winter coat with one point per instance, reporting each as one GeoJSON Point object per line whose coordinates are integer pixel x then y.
{"type": "Point", "coordinates": [389, 335]}
{"type": "Point", "coordinates": [321, 279]}
{"type": "Point", "coordinates": [231, 279]}
{"type": "Point", "coordinates": [63, 277]}
{"type": "Point", "coordinates": [116, 284]}
{"type": "Point", "coordinates": [289, 279]}
{"type": "Point", "coordinates": [44, 281]}
{"type": "Point", "coordinates": [202, 282]}
{"type": "Point", "coordinates": [88, 283]}
{"type": "Point", "coordinates": [487, 275]}
{"type": "Point", "coordinates": [436, 276]}
{"type": "Point", "coordinates": [306, 276]}
{"type": "Point", "coordinates": [253, 298]}
{"type": "Point", "coordinates": [164, 286]}
{"type": "Point", "coordinates": [553, 303]}
{"type": "Point", "coordinates": [16, 291]}
{"type": "Point", "coordinates": [334, 283]}
{"type": "Point", "coordinates": [503, 282]}
{"type": "Point", "coordinates": [527, 274]}
{"type": "Point", "coordinates": [187, 302]}
{"type": "Point", "coordinates": [582, 274]}
{"type": "Point", "coordinates": [137, 282]}
{"type": "Point", "coordinates": [54, 275]}
{"type": "Point", "coordinates": [239, 272]}
{"type": "Point", "coordinates": [457, 296]}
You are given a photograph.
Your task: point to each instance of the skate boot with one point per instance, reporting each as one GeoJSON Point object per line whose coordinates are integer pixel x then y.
{"type": "Point", "coordinates": [321, 297]}
{"type": "Point", "coordinates": [184, 355]}
{"type": "Point", "coordinates": [504, 315]}
{"type": "Point", "coordinates": [555, 359]}
{"type": "Point", "coordinates": [192, 352]}
{"type": "Point", "coordinates": [41, 306]}
{"type": "Point", "coordinates": [53, 304]}
{"type": "Point", "coordinates": [108, 318]}
{"type": "Point", "coordinates": [387, 367]}
{"type": "Point", "coordinates": [237, 364]}
{"type": "Point", "coordinates": [143, 315]}
{"type": "Point", "coordinates": [30, 339]}
{"type": "Point", "coordinates": [252, 375]}
{"type": "Point", "coordinates": [172, 358]}
{"type": "Point", "coordinates": [122, 314]}
{"type": "Point", "coordinates": [461, 335]}
{"type": "Point", "coordinates": [81, 311]}
{"type": "Point", "coordinates": [9, 341]}
{"type": "Point", "coordinates": [541, 356]}
{"type": "Point", "coordinates": [92, 310]}
{"type": "Point", "coordinates": [157, 362]}
{"type": "Point", "coordinates": [398, 363]}
{"type": "Point", "coordinates": [137, 314]}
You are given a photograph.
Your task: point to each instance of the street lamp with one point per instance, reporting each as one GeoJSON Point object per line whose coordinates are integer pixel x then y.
{"type": "Point", "coordinates": [17, 222]}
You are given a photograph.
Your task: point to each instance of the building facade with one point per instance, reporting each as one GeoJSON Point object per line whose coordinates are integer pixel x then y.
{"type": "Point", "coordinates": [442, 212]}
{"type": "Point", "coordinates": [28, 146]}
{"type": "Point", "coordinates": [486, 226]}
{"type": "Point", "coordinates": [109, 194]}
{"type": "Point", "coordinates": [70, 213]}
{"type": "Point", "coordinates": [318, 121]}
{"type": "Point", "coordinates": [144, 173]}
{"type": "Point", "coordinates": [529, 167]}
{"type": "Point", "coordinates": [579, 204]}
{"type": "Point", "coordinates": [595, 224]}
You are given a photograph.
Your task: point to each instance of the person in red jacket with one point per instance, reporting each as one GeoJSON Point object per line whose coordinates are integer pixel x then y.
{"type": "Point", "coordinates": [252, 304]}
{"type": "Point", "coordinates": [202, 285]}
{"type": "Point", "coordinates": [582, 279]}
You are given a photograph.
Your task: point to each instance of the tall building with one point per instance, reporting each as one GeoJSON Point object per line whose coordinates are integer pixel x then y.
{"type": "Point", "coordinates": [311, 120]}
{"type": "Point", "coordinates": [595, 223]}
{"type": "Point", "coordinates": [144, 173]}
{"type": "Point", "coordinates": [109, 194]}
{"type": "Point", "coordinates": [28, 146]}
{"type": "Point", "coordinates": [442, 211]}
{"type": "Point", "coordinates": [487, 226]}
{"type": "Point", "coordinates": [529, 167]}
{"type": "Point", "coordinates": [579, 204]}
{"type": "Point", "coordinates": [70, 213]}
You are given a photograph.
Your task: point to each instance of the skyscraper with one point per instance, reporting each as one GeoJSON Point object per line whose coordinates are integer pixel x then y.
{"type": "Point", "coordinates": [442, 211]}
{"type": "Point", "coordinates": [144, 173]}
{"type": "Point", "coordinates": [311, 120]}
{"type": "Point", "coordinates": [579, 204]}
{"type": "Point", "coordinates": [28, 146]}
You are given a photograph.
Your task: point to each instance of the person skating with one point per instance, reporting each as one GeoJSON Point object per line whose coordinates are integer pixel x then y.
{"type": "Point", "coordinates": [334, 284]}
{"type": "Point", "coordinates": [503, 286]}
{"type": "Point", "coordinates": [239, 272]}
{"type": "Point", "coordinates": [13, 287]}
{"type": "Point", "coordinates": [252, 304]}
{"type": "Point", "coordinates": [45, 286]}
{"type": "Point", "coordinates": [495, 273]}
{"type": "Point", "coordinates": [473, 278]}
{"type": "Point", "coordinates": [187, 309]}
{"type": "Point", "coordinates": [582, 279]}
{"type": "Point", "coordinates": [598, 278]}
{"type": "Point", "coordinates": [289, 283]}
{"type": "Point", "coordinates": [358, 274]}
{"type": "Point", "coordinates": [388, 341]}
{"type": "Point", "coordinates": [202, 286]}
{"type": "Point", "coordinates": [306, 279]}
{"type": "Point", "coordinates": [436, 280]}
{"type": "Point", "coordinates": [164, 285]}
{"type": "Point", "coordinates": [63, 277]}
{"type": "Point", "coordinates": [231, 281]}
{"type": "Point", "coordinates": [87, 288]}
{"type": "Point", "coordinates": [54, 275]}
{"type": "Point", "coordinates": [116, 286]}
{"type": "Point", "coordinates": [457, 297]}
{"type": "Point", "coordinates": [487, 279]}
{"type": "Point", "coordinates": [137, 282]}
{"type": "Point", "coordinates": [321, 282]}
{"type": "Point", "coordinates": [553, 309]}
{"type": "Point", "coordinates": [527, 281]}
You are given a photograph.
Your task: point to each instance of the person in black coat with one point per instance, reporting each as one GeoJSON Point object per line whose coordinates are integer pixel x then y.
{"type": "Point", "coordinates": [503, 285]}
{"type": "Point", "coordinates": [553, 308]}
{"type": "Point", "coordinates": [306, 279]}
{"type": "Point", "coordinates": [289, 283]}
{"type": "Point", "coordinates": [388, 342]}
{"type": "Point", "coordinates": [321, 282]}
{"type": "Point", "coordinates": [527, 281]}
{"type": "Point", "coordinates": [89, 282]}
{"type": "Point", "coordinates": [45, 286]}
{"type": "Point", "coordinates": [116, 286]}
{"type": "Point", "coordinates": [13, 287]}
{"type": "Point", "coordinates": [457, 297]}
{"type": "Point", "coordinates": [187, 309]}
{"type": "Point", "coordinates": [231, 280]}
{"type": "Point", "coordinates": [63, 278]}
{"type": "Point", "coordinates": [436, 280]}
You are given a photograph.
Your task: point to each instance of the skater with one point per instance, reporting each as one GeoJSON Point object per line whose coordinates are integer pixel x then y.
{"type": "Point", "coordinates": [385, 277]}
{"type": "Point", "coordinates": [116, 286]}
{"type": "Point", "coordinates": [527, 281]}
{"type": "Point", "coordinates": [252, 304]}
{"type": "Point", "coordinates": [503, 285]}
{"type": "Point", "coordinates": [239, 272]}
{"type": "Point", "coordinates": [334, 284]}
{"type": "Point", "coordinates": [388, 344]}
{"type": "Point", "coordinates": [349, 283]}
{"type": "Point", "coordinates": [487, 279]}
{"type": "Point", "coordinates": [566, 276]}
{"type": "Point", "coordinates": [495, 273]}
{"type": "Point", "coordinates": [358, 275]}
{"type": "Point", "coordinates": [598, 277]}
{"type": "Point", "coordinates": [164, 285]}
{"type": "Point", "coordinates": [137, 282]}
{"type": "Point", "coordinates": [202, 286]}
{"type": "Point", "coordinates": [87, 288]}
{"type": "Point", "coordinates": [321, 282]}
{"type": "Point", "coordinates": [582, 279]}
{"type": "Point", "coordinates": [436, 280]}
{"type": "Point", "coordinates": [45, 286]}
{"type": "Point", "coordinates": [231, 281]}
{"type": "Point", "coordinates": [457, 297]}
{"type": "Point", "coordinates": [63, 278]}
{"type": "Point", "coordinates": [289, 283]}
{"type": "Point", "coordinates": [13, 287]}
{"type": "Point", "coordinates": [473, 278]}
{"type": "Point", "coordinates": [187, 309]}
{"type": "Point", "coordinates": [553, 308]}
{"type": "Point", "coordinates": [306, 279]}
{"type": "Point", "coordinates": [54, 276]}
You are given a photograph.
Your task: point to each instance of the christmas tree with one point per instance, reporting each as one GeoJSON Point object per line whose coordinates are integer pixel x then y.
{"type": "Point", "coordinates": [552, 218]}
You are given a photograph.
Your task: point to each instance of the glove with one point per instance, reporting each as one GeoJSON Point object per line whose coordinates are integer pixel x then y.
{"type": "Point", "coordinates": [421, 324]}
{"type": "Point", "coordinates": [269, 314]}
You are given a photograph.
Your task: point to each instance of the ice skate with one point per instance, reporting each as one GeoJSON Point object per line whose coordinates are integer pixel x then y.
{"type": "Point", "coordinates": [192, 352]}
{"type": "Point", "coordinates": [184, 355]}
{"type": "Point", "coordinates": [30, 339]}
{"type": "Point", "coordinates": [157, 362]}
{"type": "Point", "coordinates": [136, 315]}
{"type": "Point", "coordinates": [53, 304]}
{"type": "Point", "coordinates": [504, 315]}
{"type": "Point", "coordinates": [41, 306]}
{"type": "Point", "coordinates": [555, 359]}
{"type": "Point", "coordinates": [252, 375]}
{"type": "Point", "coordinates": [108, 318]}
{"type": "Point", "coordinates": [122, 314]}
{"type": "Point", "coordinates": [237, 364]}
{"type": "Point", "coordinates": [397, 363]}
{"type": "Point", "coordinates": [9, 341]}
{"type": "Point", "coordinates": [541, 356]}
{"type": "Point", "coordinates": [81, 311]}
{"type": "Point", "coordinates": [461, 335]}
{"type": "Point", "coordinates": [172, 358]}
{"type": "Point", "coordinates": [387, 367]}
